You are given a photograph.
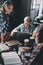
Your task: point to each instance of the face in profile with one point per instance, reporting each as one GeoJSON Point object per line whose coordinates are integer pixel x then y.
{"type": "Point", "coordinates": [35, 35]}
{"type": "Point", "coordinates": [36, 38]}
{"type": "Point", "coordinates": [9, 9]}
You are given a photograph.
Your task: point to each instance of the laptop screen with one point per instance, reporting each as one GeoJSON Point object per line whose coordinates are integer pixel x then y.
{"type": "Point", "coordinates": [21, 36]}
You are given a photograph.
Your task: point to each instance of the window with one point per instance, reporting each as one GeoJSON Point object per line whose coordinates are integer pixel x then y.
{"type": "Point", "coordinates": [35, 4]}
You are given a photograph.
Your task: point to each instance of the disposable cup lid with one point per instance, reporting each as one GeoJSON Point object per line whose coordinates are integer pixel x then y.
{"type": "Point", "coordinates": [26, 40]}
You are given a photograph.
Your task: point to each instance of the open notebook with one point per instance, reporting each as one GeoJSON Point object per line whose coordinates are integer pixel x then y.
{"type": "Point", "coordinates": [11, 58]}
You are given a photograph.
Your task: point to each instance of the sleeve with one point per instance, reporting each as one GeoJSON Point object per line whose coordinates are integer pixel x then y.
{"type": "Point", "coordinates": [39, 58]}
{"type": "Point", "coordinates": [18, 28]}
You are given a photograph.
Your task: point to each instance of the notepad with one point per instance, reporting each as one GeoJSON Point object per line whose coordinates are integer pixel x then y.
{"type": "Point", "coordinates": [11, 58]}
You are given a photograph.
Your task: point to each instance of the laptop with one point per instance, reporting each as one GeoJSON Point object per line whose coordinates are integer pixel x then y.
{"type": "Point", "coordinates": [20, 36]}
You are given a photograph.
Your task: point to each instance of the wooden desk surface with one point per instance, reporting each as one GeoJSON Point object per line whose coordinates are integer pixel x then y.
{"type": "Point", "coordinates": [13, 42]}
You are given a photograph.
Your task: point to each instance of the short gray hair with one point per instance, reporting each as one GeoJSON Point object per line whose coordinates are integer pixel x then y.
{"type": "Point", "coordinates": [27, 18]}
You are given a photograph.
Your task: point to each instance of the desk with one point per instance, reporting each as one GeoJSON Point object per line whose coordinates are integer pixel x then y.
{"type": "Point", "coordinates": [13, 44]}
{"type": "Point", "coordinates": [10, 43]}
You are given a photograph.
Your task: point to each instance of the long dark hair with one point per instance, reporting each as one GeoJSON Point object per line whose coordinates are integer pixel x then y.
{"type": "Point", "coordinates": [7, 3]}
{"type": "Point", "coordinates": [40, 35]}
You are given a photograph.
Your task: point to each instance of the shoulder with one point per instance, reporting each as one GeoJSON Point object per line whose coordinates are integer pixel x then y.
{"type": "Point", "coordinates": [22, 24]}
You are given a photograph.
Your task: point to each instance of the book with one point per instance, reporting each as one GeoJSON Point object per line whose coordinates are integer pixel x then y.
{"type": "Point", "coordinates": [11, 58]}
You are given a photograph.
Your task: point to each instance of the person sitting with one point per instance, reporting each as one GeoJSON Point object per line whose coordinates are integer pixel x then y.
{"type": "Point", "coordinates": [38, 34]}
{"type": "Point", "coordinates": [24, 27]}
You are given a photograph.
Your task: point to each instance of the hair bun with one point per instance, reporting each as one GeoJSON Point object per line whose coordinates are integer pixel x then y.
{"type": "Point", "coordinates": [6, 3]}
